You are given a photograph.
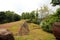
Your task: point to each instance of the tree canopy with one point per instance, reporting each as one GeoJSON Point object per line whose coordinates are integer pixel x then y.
{"type": "Point", "coordinates": [55, 2]}
{"type": "Point", "coordinates": [47, 23]}
{"type": "Point", "coordinates": [8, 16]}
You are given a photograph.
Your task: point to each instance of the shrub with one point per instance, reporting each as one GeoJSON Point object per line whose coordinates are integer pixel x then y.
{"type": "Point", "coordinates": [47, 23]}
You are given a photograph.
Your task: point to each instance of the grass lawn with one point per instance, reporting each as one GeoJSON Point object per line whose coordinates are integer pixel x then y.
{"type": "Point", "coordinates": [36, 33]}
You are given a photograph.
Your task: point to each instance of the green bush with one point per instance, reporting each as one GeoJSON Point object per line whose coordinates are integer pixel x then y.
{"type": "Point", "coordinates": [35, 21]}
{"type": "Point", "coordinates": [47, 23]}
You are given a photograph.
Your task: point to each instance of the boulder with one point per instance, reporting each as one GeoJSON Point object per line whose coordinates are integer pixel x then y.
{"type": "Point", "coordinates": [56, 30]}
{"type": "Point", "coordinates": [24, 29]}
{"type": "Point", "coordinates": [6, 35]}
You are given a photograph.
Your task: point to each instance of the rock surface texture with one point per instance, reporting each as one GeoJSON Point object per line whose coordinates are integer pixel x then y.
{"type": "Point", "coordinates": [24, 30]}
{"type": "Point", "coordinates": [6, 35]}
{"type": "Point", "coordinates": [56, 30]}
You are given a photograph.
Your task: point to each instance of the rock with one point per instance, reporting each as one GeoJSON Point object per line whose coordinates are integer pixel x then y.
{"type": "Point", "coordinates": [6, 35]}
{"type": "Point", "coordinates": [24, 30]}
{"type": "Point", "coordinates": [56, 30]}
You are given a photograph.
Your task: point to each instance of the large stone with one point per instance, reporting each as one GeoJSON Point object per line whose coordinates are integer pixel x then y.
{"type": "Point", "coordinates": [6, 35]}
{"type": "Point", "coordinates": [56, 30]}
{"type": "Point", "coordinates": [24, 29]}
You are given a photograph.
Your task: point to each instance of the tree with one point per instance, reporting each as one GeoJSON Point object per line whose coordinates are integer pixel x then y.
{"type": "Point", "coordinates": [8, 16]}
{"type": "Point", "coordinates": [47, 23]}
{"type": "Point", "coordinates": [36, 13]}
{"type": "Point", "coordinates": [23, 16]}
{"type": "Point", "coordinates": [17, 17]}
{"type": "Point", "coordinates": [2, 17]}
{"type": "Point", "coordinates": [27, 15]}
{"type": "Point", "coordinates": [43, 12]}
{"type": "Point", "coordinates": [32, 15]}
{"type": "Point", "coordinates": [11, 16]}
{"type": "Point", "coordinates": [55, 2]}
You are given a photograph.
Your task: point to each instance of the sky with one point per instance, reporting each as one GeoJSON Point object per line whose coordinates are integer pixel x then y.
{"type": "Point", "coordinates": [19, 6]}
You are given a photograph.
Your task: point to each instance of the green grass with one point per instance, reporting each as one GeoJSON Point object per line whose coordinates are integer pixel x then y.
{"type": "Point", "coordinates": [36, 33]}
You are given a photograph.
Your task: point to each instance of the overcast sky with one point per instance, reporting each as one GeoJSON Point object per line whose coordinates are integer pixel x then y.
{"type": "Point", "coordinates": [20, 6]}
